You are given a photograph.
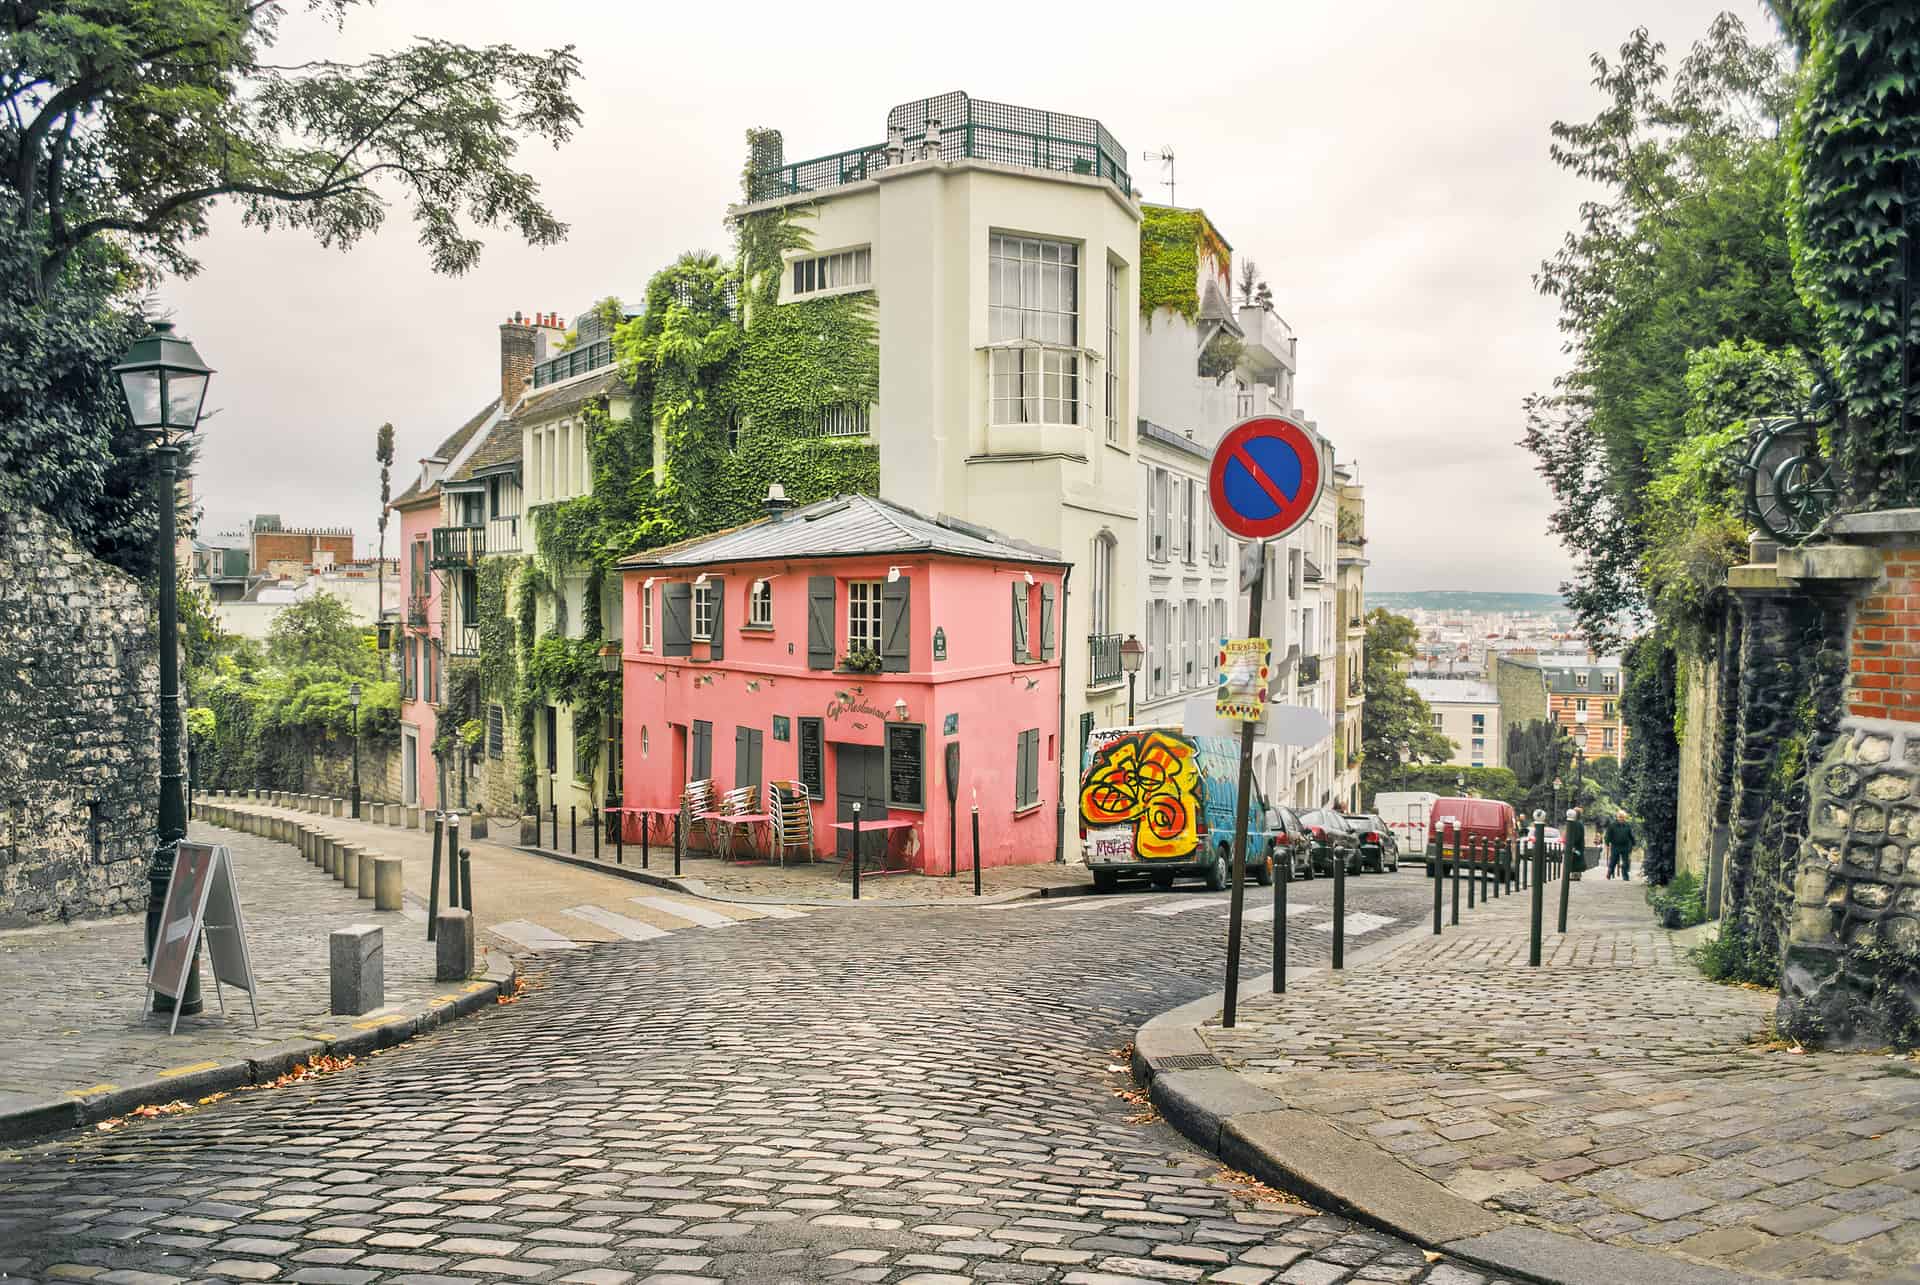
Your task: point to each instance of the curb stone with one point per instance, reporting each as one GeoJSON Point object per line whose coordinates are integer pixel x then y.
{"type": "Point", "coordinates": [1294, 1151]}
{"type": "Point", "coordinates": [32, 1119]}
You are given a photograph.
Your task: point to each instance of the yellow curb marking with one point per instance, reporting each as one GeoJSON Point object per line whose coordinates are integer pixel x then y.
{"type": "Point", "coordinates": [189, 1069]}
{"type": "Point", "coordinates": [478, 986]}
{"type": "Point", "coordinates": [384, 1021]}
{"type": "Point", "coordinates": [444, 999]}
{"type": "Point", "coordinates": [97, 1088]}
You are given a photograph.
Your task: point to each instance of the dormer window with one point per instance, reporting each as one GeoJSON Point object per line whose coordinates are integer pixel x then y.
{"type": "Point", "coordinates": [841, 270]}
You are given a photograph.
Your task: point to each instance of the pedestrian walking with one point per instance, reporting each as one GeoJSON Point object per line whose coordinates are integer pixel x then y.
{"type": "Point", "coordinates": [1620, 845]}
{"type": "Point", "coordinates": [1574, 843]}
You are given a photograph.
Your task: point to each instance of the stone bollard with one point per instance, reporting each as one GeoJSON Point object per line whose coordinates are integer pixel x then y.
{"type": "Point", "coordinates": [363, 876]}
{"type": "Point", "coordinates": [349, 869]}
{"type": "Point", "coordinates": [409, 817]}
{"type": "Point", "coordinates": [477, 825]}
{"type": "Point", "coordinates": [357, 964]}
{"type": "Point", "coordinates": [330, 860]}
{"type": "Point", "coordinates": [323, 850]}
{"type": "Point", "coordinates": [388, 883]}
{"type": "Point", "coordinates": [453, 946]}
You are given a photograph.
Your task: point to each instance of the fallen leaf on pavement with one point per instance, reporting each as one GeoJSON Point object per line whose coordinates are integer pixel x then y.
{"type": "Point", "coordinates": [1432, 1255]}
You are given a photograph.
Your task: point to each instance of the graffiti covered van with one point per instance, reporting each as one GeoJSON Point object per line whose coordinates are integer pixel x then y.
{"type": "Point", "coordinates": [1156, 803]}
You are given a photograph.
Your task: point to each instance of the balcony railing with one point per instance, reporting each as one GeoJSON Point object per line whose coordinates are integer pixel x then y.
{"type": "Point", "coordinates": [466, 641]}
{"type": "Point", "coordinates": [458, 546]}
{"type": "Point", "coordinates": [577, 361]}
{"type": "Point", "coordinates": [417, 611]}
{"type": "Point", "coordinates": [503, 534]}
{"type": "Point", "coordinates": [1103, 659]}
{"type": "Point", "coordinates": [960, 127]}
{"type": "Point", "coordinates": [1309, 670]}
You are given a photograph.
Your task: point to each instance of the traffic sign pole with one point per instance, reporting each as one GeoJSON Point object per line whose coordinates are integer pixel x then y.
{"type": "Point", "coordinates": [1240, 823]}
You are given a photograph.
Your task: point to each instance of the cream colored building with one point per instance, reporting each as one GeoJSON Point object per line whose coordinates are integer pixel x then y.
{"type": "Point", "coordinates": [1001, 246]}
{"type": "Point", "coordinates": [1467, 712]}
{"type": "Point", "coordinates": [1350, 626]}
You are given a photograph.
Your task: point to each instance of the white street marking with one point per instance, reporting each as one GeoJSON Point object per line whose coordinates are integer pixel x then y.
{"type": "Point", "coordinates": [1182, 907]}
{"type": "Point", "coordinates": [689, 911]}
{"type": "Point", "coordinates": [533, 936]}
{"type": "Point", "coordinates": [619, 925]}
{"type": "Point", "coordinates": [1358, 922]}
{"type": "Point", "coordinates": [1260, 914]}
{"type": "Point", "coordinates": [774, 912]}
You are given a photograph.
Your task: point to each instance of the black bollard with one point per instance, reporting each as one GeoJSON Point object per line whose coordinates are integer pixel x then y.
{"type": "Point", "coordinates": [676, 845]}
{"type": "Point", "coordinates": [466, 881]}
{"type": "Point", "coordinates": [1339, 910]}
{"type": "Point", "coordinates": [856, 852]}
{"type": "Point", "coordinates": [1456, 877]}
{"type": "Point", "coordinates": [1566, 886]}
{"type": "Point", "coordinates": [593, 823]}
{"type": "Point", "coordinates": [554, 808]}
{"type": "Point", "coordinates": [646, 839]}
{"type": "Point", "coordinates": [1539, 896]}
{"type": "Point", "coordinates": [1439, 877]}
{"type": "Point", "coordinates": [573, 830]}
{"type": "Point", "coordinates": [433, 879]}
{"type": "Point", "coordinates": [619, 824]}
{"type": "Point", "coordinates": [453, 861]}
{"type": "Point", "coordinates": [976, 849]}
{"type": "Point", "coordinates": [1282, 877]}
{"type": "Point", "coordinates": [1491, 857]}
{"type": "Point", "coordinates": [1473, 872]}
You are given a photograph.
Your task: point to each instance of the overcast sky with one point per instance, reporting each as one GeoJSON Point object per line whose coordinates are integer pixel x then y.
{"type": "Point", "coordinates": [1385, 162]}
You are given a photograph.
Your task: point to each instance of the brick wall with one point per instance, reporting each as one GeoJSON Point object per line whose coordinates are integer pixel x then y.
{"type": "Point", "coordinates": [300, 547]}
{"type": "Point", "coordinates": [79, 726]}
{"type": "Point", "coordinates": [1884, 655]}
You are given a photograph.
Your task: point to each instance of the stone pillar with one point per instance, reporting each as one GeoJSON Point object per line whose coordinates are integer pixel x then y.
{"type": "Point", "coordinates": [453, 942]}
{"type": "Point", "coordinates": [388, 884]}
{"type": "Point", "coordinates": [363, 876]}
{"type": "Point", "coordinates": [357, 966]}
{"type": "Point", "coordinates": [349, 871]}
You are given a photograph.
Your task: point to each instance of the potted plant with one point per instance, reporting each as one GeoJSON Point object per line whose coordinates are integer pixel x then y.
{"type": "Point", "coordinates": [471, 734]}
{"type": "Point", "coordinates": [860, 660]}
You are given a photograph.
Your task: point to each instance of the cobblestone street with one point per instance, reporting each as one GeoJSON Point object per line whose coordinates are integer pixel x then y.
{"type": "Point", "coordinates": [911, 1095]}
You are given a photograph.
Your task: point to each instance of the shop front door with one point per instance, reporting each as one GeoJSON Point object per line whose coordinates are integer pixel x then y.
{"type": "Point", "coordinates": [860, 776]}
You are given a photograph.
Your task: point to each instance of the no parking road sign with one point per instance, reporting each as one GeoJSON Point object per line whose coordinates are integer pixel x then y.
{"type": "Point", "coordinates": [1265, 478]}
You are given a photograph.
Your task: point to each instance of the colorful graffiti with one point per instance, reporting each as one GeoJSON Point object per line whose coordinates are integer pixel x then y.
{"type": "Point", "coordinates": [1151, 780]}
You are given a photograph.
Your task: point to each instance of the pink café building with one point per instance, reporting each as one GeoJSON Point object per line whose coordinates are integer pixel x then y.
{"type": "Point", "coordinates": [746, 659]}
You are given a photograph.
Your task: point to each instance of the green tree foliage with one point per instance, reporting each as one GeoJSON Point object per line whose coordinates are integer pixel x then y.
{"type": "Point", "coordinates": [1856, 155]}
{"type": "Point", "coordinates": [1447, 778]}
{"type": "Point", "coordinates": [1686, 249]}
{"type": "Point", "coordinates": [1651, 773]}
{"type": "Point", "coordinates": [1394, 717]}
{"type": "Point", "coordinates": [131, 116]}
{"type": "Point", "coordinates": [319, 630]}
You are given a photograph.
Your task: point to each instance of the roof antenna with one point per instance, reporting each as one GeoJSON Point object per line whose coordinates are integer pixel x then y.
{"type": "Point", "coordinates": [1165, 157]}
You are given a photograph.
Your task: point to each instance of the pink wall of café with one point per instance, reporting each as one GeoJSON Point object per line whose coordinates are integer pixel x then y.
{"type": "Point", "coordinates": [416, 524]}
{"type": "Point", "coordinates": [978, 689]}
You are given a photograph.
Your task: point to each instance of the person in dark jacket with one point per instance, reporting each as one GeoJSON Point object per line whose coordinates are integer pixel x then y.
{"type": "Point", "coordinates": [1620, 845]}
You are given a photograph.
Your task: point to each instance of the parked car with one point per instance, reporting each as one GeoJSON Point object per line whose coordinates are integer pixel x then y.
{"type": "Point", "coordinates": [1333, 840]}
{"type": "Point", "coordinates": [1290, 836]}
{"type": "Point", "coordinates": [1379, 850]}
{"type": "Point", "coordinates": [1158, 804]}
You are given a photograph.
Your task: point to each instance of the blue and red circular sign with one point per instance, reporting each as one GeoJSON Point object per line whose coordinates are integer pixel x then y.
{"type": "Point", "coordinates": [1265, 477]}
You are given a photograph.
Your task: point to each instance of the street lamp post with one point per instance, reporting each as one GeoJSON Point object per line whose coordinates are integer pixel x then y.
{"type": "Point", "coordinates": [1132, 652]}
{"type": "Point", "coordinates": [353, 699]}
{"type": "Point", "coordinates": [164, 382]}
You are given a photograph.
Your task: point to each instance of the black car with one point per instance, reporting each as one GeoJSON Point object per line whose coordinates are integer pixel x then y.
{"type": "Point", "coordinates": [1332, 840]}
{"type": "Point", "coordinates": [1292, 840]}
{"type": "Point", "coordinates": [1379, 850]}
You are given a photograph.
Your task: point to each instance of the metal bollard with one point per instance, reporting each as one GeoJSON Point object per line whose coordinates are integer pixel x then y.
{"type": "Point", "coordinates": [619, 839]}
{"type": "Point", "coordinates": [1473, 872]}
{"type": "Point", "coordinates": [646, 839]}
{"type": "Point", "coordinates": [1539, 896]}
{"type": "Point", "coordinates": [1339, 910]}
{"type": "Point", "coordinates": [1440, 874]}
{"type": "Point", "coordinates": [453, 861]}
{"type": "Point", "coordinates": [573, 830]}
{"type": "Point", "coordinates": [976, 849]}
{"type": "Point", "coordinates": [1456, 876]}
{"type": "Point", "coordinates": [1491, 856]}
{"type": "Point", "coordinates": [1282, 878]}
{"type": "Point", "coordinates": [676, 844]}
{"type": "Point", "coordinates": [433, 877]}
{"type": "Point", "coordinates": [1566, 886]}
{"type": "Point", "coordinates": [856, 852]}
{"type": "Point", "coordinates": [554, 808]}
{"type": "Point", "coordinates": [593, 823]}
{"type": "Point", "coordinates": [466, 881]}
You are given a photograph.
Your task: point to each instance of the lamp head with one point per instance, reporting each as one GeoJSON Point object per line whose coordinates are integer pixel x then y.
{"type": "Point", "coordinates": [1132, 652]}
{"type": "Point", "coordinates": [164, 382]}
{"type": "Point", "coordinates": [353, 695]}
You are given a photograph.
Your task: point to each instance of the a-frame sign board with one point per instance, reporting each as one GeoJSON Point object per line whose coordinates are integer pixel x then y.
{"type": "Point", "coordinates": [202, 897]}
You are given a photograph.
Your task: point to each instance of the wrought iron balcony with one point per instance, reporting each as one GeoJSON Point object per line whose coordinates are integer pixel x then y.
{"type": "Point", "coordinates": [1103, 659]}
{"type": "Point", "coordinates": [466, 641]}
{"type": "Point", "coordinates": [1309, 670]}
{"type": "Point", "coordinates": [417, 610]}
{"type": "Point", "coordinates": [457, 546]}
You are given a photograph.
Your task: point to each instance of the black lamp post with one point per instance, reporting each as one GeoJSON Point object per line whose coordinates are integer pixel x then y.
{"type": "Point", "coordinates": [1132, 652]}
{"type": "Point", "coordinates": [353, 699]}
{"type": "Point", "coordinates": [165, 384]}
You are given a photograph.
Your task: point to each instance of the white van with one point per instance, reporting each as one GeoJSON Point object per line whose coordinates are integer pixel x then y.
{"type": "Point", "coordinates": [1406, 814]}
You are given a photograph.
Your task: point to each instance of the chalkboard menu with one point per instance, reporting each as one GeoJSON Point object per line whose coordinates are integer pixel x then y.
{"type": "Point", "coordinates": [812, 751]}
{"type": "Point", "coordinates": [906, 765]}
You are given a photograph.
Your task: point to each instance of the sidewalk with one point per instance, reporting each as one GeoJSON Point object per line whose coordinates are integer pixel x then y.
{"type": "Point", "coordinates": [76, 1048]}
{"type": "Point", "coordinates": [1610, 1116]}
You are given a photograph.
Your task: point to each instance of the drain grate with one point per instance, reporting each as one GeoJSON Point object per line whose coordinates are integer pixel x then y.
{"type": "Point", "coordinates": [1186, 1062]}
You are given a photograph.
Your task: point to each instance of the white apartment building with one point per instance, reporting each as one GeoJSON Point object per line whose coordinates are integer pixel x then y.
{"type": "Point", "coordinates": [1001, 245]}
{"type": "Point", "coordinates": [1467, 712]}
{"type": "Point", "coordinates": [1190, 565]}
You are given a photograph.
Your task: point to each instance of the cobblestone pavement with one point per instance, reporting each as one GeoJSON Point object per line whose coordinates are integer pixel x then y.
{"type": "Point", "coordinates": [1613, 1093]}
{"type": "Point", "coordinates": [929, 1096]}
{"type": "Point", "coordinates": [822, 881]}
{"type": "Point", "coordinates": [70, 1009]}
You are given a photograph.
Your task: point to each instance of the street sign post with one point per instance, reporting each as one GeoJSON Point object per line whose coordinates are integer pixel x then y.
{"type": "Point", "coordinates": [1264, 481]}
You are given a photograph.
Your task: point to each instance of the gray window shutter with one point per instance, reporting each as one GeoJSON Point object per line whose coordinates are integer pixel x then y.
{"type": "Point", "coordinates": [702, 750]}
{"type": "Point", "coordinates": [896, 611]}
{"type": "Point", "coordinates": [676, 620]}
{"type": "Point", "coordinates": [1019, 770]}
{"type": "Point", "coordinates": [1020, 655]}
{"type": "Point", "coordinates": [820, 608]}
{"type": "Point", "coordinates": [1046, 622]}
{"type": "Point", "coordinates": [716, 647]}
{"type": "Point", "coordinates": [756, 749]}
{"type": "Point", "coordinates": [742, 756]}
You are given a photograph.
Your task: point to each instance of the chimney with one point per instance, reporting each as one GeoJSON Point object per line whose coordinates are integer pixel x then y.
{"type": "Point", "coordinates": [518, 351]}
{"type": "Point", "coordinates": [776, 503]}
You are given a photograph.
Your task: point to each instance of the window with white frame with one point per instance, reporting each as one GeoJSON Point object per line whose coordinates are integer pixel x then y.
{"type": "Point", "coordinates": [1190, 515]}
{"type": "Point", "coordinates": [646, 620]}
{"type": "Point", "coordinates": [842, 419]}
{"type": "Point", "coordinates": [863, 615]}
{"type": "Point", "coordinates": [703, 596]}
{"type": "Point", "coordinates": [1113, 352]}
{"type": "Point", "coordinates": [1157, 501]}
{"type": "Point", "coordinates": [1101, 602]}
{"type": "Point", "coordinates": [1033, 295]}
{"type": "Point", "coordinates": [760, 605]}
{"type": "Point", "coordinates": [841, 270]}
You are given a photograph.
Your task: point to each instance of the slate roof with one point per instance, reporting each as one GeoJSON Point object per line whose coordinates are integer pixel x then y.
{"type": "Point", "coordinates": [449, 450]}
{"type": "Point", "coordinates": [1454, 691]}
{"type": "Point", "coordinates": [501, 446]}
{"type": "Point", "coordinates": [1178, 441]}
{"type": "Point", "coordinates": [845, 526]}
{"type": "Point", "coordinates": [557, 399]}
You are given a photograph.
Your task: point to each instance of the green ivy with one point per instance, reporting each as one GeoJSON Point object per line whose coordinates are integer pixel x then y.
{"type": "Point", "coordinates": [499, 666]}
{"type": "Point", "coordinates": [1169, 262]}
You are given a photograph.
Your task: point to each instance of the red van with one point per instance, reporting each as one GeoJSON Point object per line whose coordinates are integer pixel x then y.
{"type": "Point", "coordinates": [1480, 821]}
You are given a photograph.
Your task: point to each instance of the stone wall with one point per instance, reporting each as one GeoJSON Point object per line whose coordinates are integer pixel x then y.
{"type": "Point", "coordinates": [79, 727]}
{"type": "Point", "coordinates": [329, 769]}
{"type": "Point", "coordinates": [1699, 767]}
